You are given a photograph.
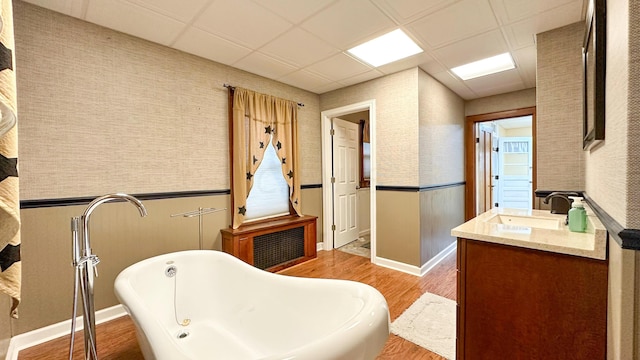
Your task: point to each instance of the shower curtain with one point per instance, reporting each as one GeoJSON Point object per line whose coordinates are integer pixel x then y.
{"type": "Point", "coordinates": [10, 266]}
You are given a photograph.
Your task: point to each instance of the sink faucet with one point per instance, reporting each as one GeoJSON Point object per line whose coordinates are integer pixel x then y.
{"type": "Point", "coordinates": [560, 202]}
{"type": "Point", "coordinates": [85, 261]}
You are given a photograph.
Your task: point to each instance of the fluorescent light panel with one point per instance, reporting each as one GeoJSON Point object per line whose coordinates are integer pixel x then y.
{"type": "Point", "coordinates": [385, 49]}
{"type": "Point", "coordinates": [485, 67]}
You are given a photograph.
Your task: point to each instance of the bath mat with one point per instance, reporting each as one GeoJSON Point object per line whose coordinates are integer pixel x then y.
{"type": "Point", "coordinates": [429, 322]}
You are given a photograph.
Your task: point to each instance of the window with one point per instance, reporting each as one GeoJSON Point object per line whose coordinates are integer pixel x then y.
{"type": "Point", "coordinates": [269, 195]}
{"type": "Point", "coordinates": [263, 144]}
{"type": "Point", "coordinates": [365, 155]}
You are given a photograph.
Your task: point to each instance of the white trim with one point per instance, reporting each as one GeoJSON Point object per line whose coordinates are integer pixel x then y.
{"type": "Point", "coordinates": [364, 232]}
{"type": "Point", "coordinates": [327, 189]}
{"type": "Point", "coordinates": [438, 258]}
{"type": "Point", "coordinates": [320, 246]}
{"type": "Point", "coordinates": [398, 266]}
{"type": "Point", "coordinates": [54, 331]}
{"type": "Point", "coordinates": [414, 270]}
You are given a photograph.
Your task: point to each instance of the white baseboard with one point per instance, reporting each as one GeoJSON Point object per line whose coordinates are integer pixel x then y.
{"type": "Point", "coordinates": [39, 336]}
{"type": "Point", "coordinates": [398, 266]}
{"type": "Point", "coordinates": [412, 269]}
{"type": "Point", "coordinates": [320, 246]}
{"type": "Point", "coordinates": [438, 258]}
{"type": "Point", "coordinates": [364, 232]}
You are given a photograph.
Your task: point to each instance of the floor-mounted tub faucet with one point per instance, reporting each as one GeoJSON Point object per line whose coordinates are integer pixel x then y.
{"type": "Point", "coordinates": [85, 263]}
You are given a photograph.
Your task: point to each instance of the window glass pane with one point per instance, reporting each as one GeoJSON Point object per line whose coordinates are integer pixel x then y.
{"type": "Point", "coordinates": [366, 160]}
{"type": "Point", "coordinates": [269, 194]}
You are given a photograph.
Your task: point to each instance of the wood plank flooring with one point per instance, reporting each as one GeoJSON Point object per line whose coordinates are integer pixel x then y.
{"type": "Point", "coordinates": [116, 339]}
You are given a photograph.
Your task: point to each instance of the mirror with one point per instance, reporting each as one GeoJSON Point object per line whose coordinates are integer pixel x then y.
{"type": "Point", "coordinates": [593, 60]}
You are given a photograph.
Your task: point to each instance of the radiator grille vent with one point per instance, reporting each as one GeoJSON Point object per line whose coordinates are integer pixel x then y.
{"type": "Point", "coordinates": [276, 248]}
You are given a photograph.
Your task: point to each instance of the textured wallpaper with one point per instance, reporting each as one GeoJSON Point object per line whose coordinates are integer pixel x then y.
{"type": "Point", "coordinates": [509, 101]}
{"type": "Point", "coordinates": [441, 133]}
{"type": "Point", "coordinates": [396, 123]}
{"type": "Point", "coordinates": [633, 113]}
{"type": "Point", "coordinates": [607, 165]}
{"type": "Point", "coordinates": [101, 111]}
{"type": "Point", "coordinates": [560, 159]}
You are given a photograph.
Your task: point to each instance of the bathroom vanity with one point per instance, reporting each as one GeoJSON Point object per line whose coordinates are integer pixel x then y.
{"type": "Point", "coordinates": [528, 288]}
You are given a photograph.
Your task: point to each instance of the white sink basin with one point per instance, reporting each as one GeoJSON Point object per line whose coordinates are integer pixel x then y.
{"type": "Point", "coordinates": [526, 221]}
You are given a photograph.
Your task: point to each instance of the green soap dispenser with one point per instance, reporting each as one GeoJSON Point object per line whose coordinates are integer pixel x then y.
{"type": "Point", "coordinates": [577, 215]}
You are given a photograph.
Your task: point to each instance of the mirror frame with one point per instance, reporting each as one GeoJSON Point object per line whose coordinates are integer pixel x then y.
{"type": "Point", "coordinates": [594, 65]}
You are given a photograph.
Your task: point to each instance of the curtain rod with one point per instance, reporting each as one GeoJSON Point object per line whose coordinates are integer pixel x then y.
{"type": "Point", "coordinates": [233, 88]}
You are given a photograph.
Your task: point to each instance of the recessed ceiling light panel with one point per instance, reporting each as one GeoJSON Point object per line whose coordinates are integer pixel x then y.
{"type": "Point", "coordinates": [485, 67]}
{"type": "Point", "coordinates": [385, 49]}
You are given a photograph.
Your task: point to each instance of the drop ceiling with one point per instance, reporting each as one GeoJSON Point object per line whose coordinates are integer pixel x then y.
{"type": "Point", "coordinates": [303, 42]}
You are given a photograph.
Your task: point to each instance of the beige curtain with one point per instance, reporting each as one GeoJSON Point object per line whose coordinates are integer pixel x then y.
{"type": "Point", "coordinates": [10, 264]}
{"type": "Point", "coordinates": [256, 117]}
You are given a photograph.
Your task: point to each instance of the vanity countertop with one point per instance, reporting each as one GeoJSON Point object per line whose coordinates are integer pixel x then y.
{"type": "Point", "coordinates": [590, 244]}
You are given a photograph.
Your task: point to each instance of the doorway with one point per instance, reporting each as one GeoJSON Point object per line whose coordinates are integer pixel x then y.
{"type": "Point", "coordinates": [331, 209]}
{"type": "Point", "coordinates": [500, 169]}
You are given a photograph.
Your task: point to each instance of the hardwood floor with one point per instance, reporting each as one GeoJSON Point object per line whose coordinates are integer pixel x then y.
{"type": "Point", "coordinates": [116, 339]}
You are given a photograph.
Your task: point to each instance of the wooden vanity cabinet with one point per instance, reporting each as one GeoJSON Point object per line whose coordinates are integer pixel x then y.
{"type": "Point", "coordinates": [517, 303]}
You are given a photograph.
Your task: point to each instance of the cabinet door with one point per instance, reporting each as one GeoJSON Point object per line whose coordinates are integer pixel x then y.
{"type": "Point", "coordinates": [527, 304]}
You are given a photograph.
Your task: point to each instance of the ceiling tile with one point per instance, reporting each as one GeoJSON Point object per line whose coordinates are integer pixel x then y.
{"type": "Point", "coordinates": [472, 49]}
{"type": "Point", "coordinates": [242, 21]}
{"type": "Point", "coordinates": [405, 11]}
{"type": "Point", "coordinates": [299, 48]}
{"type": "Point", "coordinates": [498, 83]}
{"type": "Point", "coordinates": [348, 22]}
{"type": "Point", "coordinates": [369, 75]}
{"type": "Point", "coordinates": [338, 67]}
{"type": "Point", "coordinates": [406, 63]}
{"type": "Point", "coordinates": [509, 11]}
{"type": "Point", "coordinates": [183, 10]}
{"type": "Point", "coordinates": [75, 8]}
{"type": "Point", "coordinates": [456, 85]}
{"type": "Point", "coordinates": [433, 67]}
{"type": "Point", "coordinates": [208, 46]}
{"type": "Point", "coordinates": [134, 20]}
{"type": "Point", "coordinates": [305, 80]}
{"type": "Point", "coordinates": [264, 65]}
{"type": "Point", "coordinates": [326, 88]}
{"type": "Point", "coordinates": [521, 34]}
{"type": "Point", "coordinates": [453, 23]}
{"type": "Point", "coordinates": [294, 10]}
{"type": "Point", "coordinates": [525, 59]}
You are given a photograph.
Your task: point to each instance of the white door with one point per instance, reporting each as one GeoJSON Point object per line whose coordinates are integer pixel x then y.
{"type": "Point", "coordinates": [515, 154]}
{"type": "Point", "coordinates": [345, 172]}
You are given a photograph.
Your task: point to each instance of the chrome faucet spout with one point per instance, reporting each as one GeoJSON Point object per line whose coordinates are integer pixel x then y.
{"type": "Point", "coordinates": [101, 200]}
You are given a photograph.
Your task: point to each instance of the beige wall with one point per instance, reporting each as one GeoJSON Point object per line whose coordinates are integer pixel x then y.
{"type": "Point", "coordinates": [560, 159]}
{"type": "Point", "coordinates": [441, 162]}
{"type": "Point", "coordinates": [517, 132]}
{"type": "Point", "coordinates": [398, 227]}
{"type": "Point", "coordinates": [441, 133]}
{"type": "Point", "coordinates": [396, 123]}
{"type": "Point", "coordinates": [509, 101]}
{"type": "Point", "coordinates": [612, 173]}
{"type": "Point", "coordinates": [364, 210]}
{"type": "Point", "coordinates": [440, 211]}
{"type": "Point", "coordinates": [101, 111]}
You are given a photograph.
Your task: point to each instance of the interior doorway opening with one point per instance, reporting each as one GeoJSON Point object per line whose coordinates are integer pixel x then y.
{"type": "Point", "coordinates": [500, 161]}
{"type": "Point", "coordinates": [342, 210]}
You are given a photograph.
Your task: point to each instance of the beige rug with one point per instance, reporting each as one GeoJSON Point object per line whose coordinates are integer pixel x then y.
{"type": "Point", "coordinates": [430, 322]}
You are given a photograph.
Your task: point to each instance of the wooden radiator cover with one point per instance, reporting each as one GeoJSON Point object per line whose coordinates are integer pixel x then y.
{"type": "Point", "coordinates": [274, 244]}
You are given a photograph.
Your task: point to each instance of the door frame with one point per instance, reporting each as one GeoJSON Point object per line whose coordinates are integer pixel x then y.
{"type": "Point", "coordinates": [327, 163]}
{"type": "Point", "coordinates": [470, 152]}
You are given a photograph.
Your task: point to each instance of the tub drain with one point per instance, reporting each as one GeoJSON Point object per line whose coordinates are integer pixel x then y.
{"type": "Point", "coordinates": [182, 334]}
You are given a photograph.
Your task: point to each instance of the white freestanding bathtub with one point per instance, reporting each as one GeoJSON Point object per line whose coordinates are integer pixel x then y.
{"type": "Point", "coordinates": [204, 304]}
